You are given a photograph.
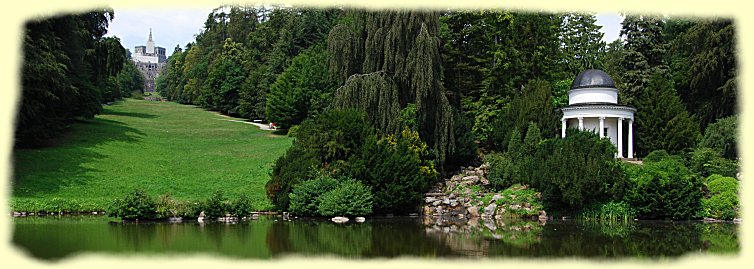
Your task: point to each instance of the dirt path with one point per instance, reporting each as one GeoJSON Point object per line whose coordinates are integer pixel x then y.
{"type": "Point", "coordinates": [261, 126]}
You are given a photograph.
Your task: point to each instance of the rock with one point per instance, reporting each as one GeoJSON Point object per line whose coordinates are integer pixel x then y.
{"type": "Point", "coordinates": [542, 213]}
{"type": "Point", "coordinates": [514, 207]}
{"type": "Point", "coordinates": [496, 197]}
{"type": "Point", "coordinates": [339, 219]}
{"type": "Point", "coordinates": [360, 219]}
{"type": "Point", "coordinates": [473, 179]}
{"type": "Point", "coordinates": [429, 200]}
{"type": "Point", "coordinates": [201, 217]}
{"type": "Point", "coordinates": [490, 209]}
{"type": "Point", "coordinates": [175, 219]}
{"type": "Point", "coordinates": [473, 211]}
{"type": "Point", "coordinates": [467, 191]}
{"type": "Point", "coordinates": [438, 211]}
{"type": "Point", "coordinates": [436, 203]}
{"type": "Point", "coordinates": [490, 225]}
{"type": "Point", "coordinates": [485, 181]}
{"type": "Point", "coordinates": [527, 205]}
{"type": "Point", "coordinates": [453, 203]}
{"type": "Point", "coordinates": [446, 201]}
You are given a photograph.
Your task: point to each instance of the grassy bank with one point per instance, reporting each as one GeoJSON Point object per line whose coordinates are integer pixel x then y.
{"type": "Point", "coordinates": [159, 147]}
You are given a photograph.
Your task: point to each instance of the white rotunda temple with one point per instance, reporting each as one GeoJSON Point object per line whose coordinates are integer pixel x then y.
{"type": "Point", "coordinates": [593, 105]}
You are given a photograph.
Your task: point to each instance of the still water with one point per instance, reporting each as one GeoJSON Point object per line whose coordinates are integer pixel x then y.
{"type": "Point", "coordinates": [53, 238]}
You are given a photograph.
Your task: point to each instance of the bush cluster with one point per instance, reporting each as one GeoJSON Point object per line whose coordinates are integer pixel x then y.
{"type": "Point", "coordinates": [138, 205]}
{"type": "Point", "coordinates": [349, 198]}
{"type": "Point", "coordinates": [572, 173]}
{"type": "Point", "coordinates": [327, 196]}
{"type": "Point", "coordinates": [663, 188]}
{"type": "Point", "coordinates": [134, 206]}
{"type": "Point", "coordinates": [395, 167]}
{"type": "Point", "coordinates": [722, 197]}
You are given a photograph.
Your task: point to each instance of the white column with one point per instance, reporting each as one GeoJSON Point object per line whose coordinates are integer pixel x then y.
{"type": "Point", "coordinates": [602, 127]}
{"type": "Point", "coordinates": [563, 131]}
{"type": "Point", "coordinates": [581, 123]}
{"type": "Point", "coordinates": [620, 137]}
{"type": "Point", "coordinates": [630, 138]}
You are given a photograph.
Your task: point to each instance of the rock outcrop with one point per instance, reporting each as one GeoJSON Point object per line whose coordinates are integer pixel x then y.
{"type": "Point", "coordinates": [465, 195]}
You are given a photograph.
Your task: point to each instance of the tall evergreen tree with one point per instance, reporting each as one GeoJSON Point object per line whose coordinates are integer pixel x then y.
{"type": "Point", "coordinates": [662, 122]}
{"type": "Point", "coordinates": [704, 66]}
{"type": "Point", "coordinates": [581, 42]}
{"type": "Point", "coordinates": [644, 54]}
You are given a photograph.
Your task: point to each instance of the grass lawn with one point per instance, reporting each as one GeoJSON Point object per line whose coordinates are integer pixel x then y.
{"type": "Point", "coordinates": [160, 147]}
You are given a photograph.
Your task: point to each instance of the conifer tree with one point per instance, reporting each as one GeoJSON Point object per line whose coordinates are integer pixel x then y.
{"type": "Point", "coordinates": [662, 122]}
{"type": "Point", "coordinates": [582, 44]}
{"type": "Point", "coordinates": [643, 54]}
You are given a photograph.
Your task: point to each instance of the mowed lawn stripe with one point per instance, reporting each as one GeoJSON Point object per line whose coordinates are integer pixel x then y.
{"type": "Point", "coordinates": [159, 147]}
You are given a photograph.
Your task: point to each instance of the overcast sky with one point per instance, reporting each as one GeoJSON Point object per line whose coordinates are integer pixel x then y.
{"type": "Point", "coordinates": [178, 26]}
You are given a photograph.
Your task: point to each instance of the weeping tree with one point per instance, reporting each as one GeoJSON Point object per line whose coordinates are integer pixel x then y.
{"type": "Point", "coordinates": [386, 61]}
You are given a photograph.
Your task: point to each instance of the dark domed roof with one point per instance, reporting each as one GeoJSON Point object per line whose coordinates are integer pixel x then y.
{"type": "Point", "coordinates": [593, 78]}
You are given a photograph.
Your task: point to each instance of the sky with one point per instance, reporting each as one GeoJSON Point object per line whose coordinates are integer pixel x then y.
{"type": "Point", "coordinates": [171, 26]}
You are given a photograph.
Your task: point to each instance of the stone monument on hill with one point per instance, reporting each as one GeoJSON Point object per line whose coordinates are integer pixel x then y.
{"type": "Point", "coordinates": [149, 60]}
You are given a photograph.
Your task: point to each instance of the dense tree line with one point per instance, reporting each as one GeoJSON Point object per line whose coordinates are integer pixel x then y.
{"type": "Point", "coordinates": [284, 65]}
{"type": "Point", "coordinates": [69, 70]}
{"type": "Point", "coordinates": [236, 60]}
{"type": "Point", "coordinates": [463, 79]}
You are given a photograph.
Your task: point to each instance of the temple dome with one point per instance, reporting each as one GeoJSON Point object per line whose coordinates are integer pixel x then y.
{"type": "Point", "coordinates": [593, 78]}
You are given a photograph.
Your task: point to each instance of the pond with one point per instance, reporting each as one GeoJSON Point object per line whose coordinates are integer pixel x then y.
{"type": "Point", "coordinates": [54, 238]}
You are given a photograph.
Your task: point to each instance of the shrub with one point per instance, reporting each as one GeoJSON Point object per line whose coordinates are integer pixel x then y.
{"type": "Point", "coordinates": [135, 205]}
{"type": "Point", "coordinates": [722, 202]}
{"type": "Point", "coordinates": [576, 171]}
{"type": "Point", "coordinates": [288, 170]}
{"type": "Point", "coordinates": [664, 189]}
{"type": "Point", "coordinates": [293, 130]}
{"type": "Point", "coordinates": [241, 207]}
{"type": "Point", "coordinates": [216, 206]}
{"type": "Point", "coordinates": [656, 156]}
{"type": "Point", "coordinates": [397, 169]}
{"type": "Point", "coordinates": [188, 209]}
{"type": "Point", "coordinates": [717, 184]}
{"type": "Point", "coordinates": [349, 198]}
{"type": "Point", "coordinates": [304, 200]}
{"type": "Point", "coordinates": [501, 170]}
{"type": "Point", "coordinates": [708, 161]}
{"type": "Point", "coordinates": [329, 138]}
{"type": "Point", "coordinates": [722, 135]}
{"type": "Point", "coordinates": [166, 207]}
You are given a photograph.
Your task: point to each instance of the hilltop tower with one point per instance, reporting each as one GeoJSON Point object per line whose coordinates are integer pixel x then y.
{"type": "Point", "coordinates": [150, 60]}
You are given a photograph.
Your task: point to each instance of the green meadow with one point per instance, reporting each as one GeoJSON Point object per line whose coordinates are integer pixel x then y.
{"type": "Point", "coordinates": [160, 147]}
